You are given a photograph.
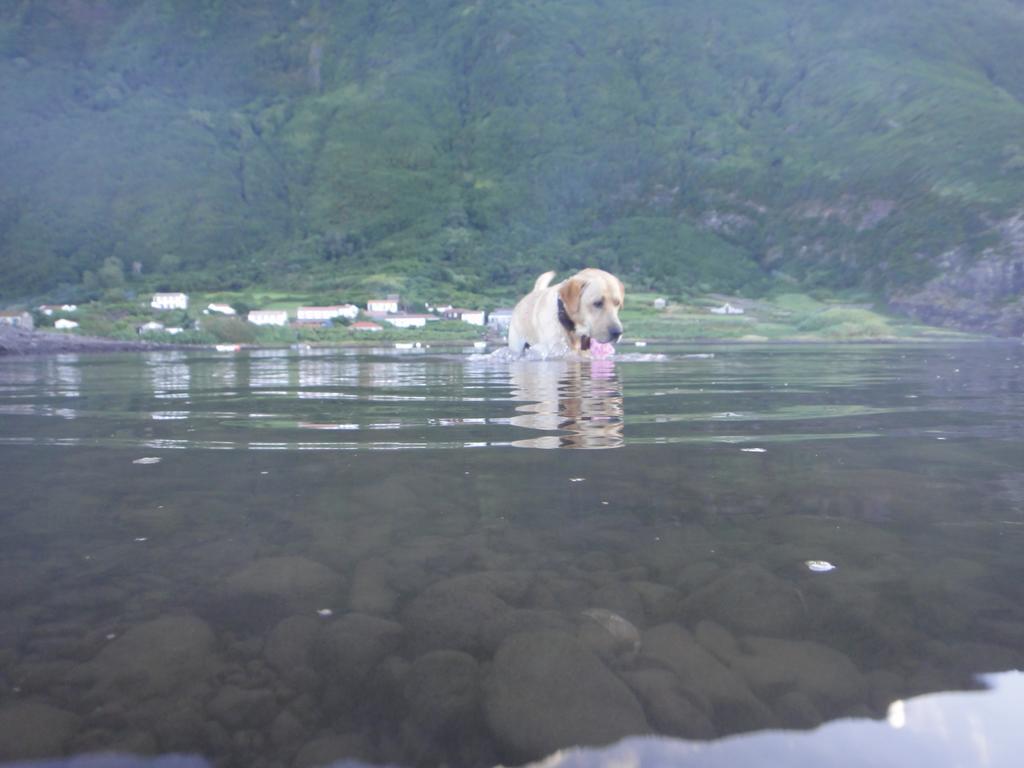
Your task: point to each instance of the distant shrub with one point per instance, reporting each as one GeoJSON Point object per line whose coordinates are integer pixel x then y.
{"type": "Point", "coordinates": [229, 329]}
{"type": "Point", "coordinates": [845, 323]}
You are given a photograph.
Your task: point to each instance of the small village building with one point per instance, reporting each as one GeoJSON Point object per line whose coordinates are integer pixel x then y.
{"type": "Point", "coordinates": [660, 303]}
{"type": "Point", "coordinates": [409, 321]}
{"type": "Point", "coordinates": [364, 325]}
{"type": "Point", "coordinates": [169, 301]}
{"type": "Point", "coordinates": [727, 309]}
{"type": "Point", "coordinates": [220, 309]}
{"type": "Point", "coordinates": [471, 316]}
{"type": "Point", "coordinates": [388, 305]}
{"type": "Point", "coordinates": [64, 324]}
{"type": "Point", "coordinates": [18, 318]}
{"type": "Point", "coordinates": [268, 317]}
{"type": "Point", "coordinates": [348, 311]}
{"type": "Point", "coordinates": [500, 319]}
{"type": "Point", "coordinates": [50, 309]}
{"type": "Point", "coordinates": [151, 327]}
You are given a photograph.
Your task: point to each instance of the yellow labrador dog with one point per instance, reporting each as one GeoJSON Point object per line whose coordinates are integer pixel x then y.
{"type": "Point", "coordinates": [579, 315]}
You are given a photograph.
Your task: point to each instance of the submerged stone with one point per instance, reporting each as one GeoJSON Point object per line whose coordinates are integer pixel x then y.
{"type": "Point", "coordinates": [453, 614]}
{"type": "Point", "coordinates": [668, 707]}
{"type": "Point", "coordinates": [443, 690]}
{"type": "Point", "coordinates": [705, 679]}
{"type": "Point", "coordinates": [547, 691]}
{"type": "Point", "coordinates": [34, 729]}
{"type": "Point", "coordinates": [609, 635]}
{"type": "Point", "coordinates": [302, 584]}
{"type": "Point", "coordinates": [289, 647]}
{"type": "Point", "coordinates": [749, 599]}
{"type": "Point", "coordinates": [154, 659]}
{"type": "Point", "coordinates": [826, 676]}
{"type": "Point", "coordinates": [347, 650]}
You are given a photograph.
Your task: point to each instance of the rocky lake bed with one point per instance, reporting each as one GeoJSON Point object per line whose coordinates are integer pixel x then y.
{"type": "Point", "coordinates": [223, 570]}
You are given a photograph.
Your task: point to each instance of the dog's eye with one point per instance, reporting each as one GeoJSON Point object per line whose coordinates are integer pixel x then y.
{"type": "Point", "coordinates": [599, 303]}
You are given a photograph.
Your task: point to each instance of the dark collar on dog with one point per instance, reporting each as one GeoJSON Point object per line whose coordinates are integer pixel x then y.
{"type": "Point", "coordinates": [563, 317]}
{"type": "Point", "coordinates": [570, 326]}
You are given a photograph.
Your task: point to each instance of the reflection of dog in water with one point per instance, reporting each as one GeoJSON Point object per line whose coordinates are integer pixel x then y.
{"type": "Point", "coordinates": [582, 401]}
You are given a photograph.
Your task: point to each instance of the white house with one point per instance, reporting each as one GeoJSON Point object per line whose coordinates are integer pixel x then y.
{"type": "Point", "coordinates": [65, 325]}
{"type": "Point", "coordinates": [471, 316]}
{"type": "Point", "coordinates": [169, 301]}
{"type": "Point", "coordinates": [220, 309]}
{"type": "Point", "coordinates": [18, 318]}
{"type": "Point", "coordinates": [49, 309]}
{"type": "Point", "coordinates": [350, 311]}
{"type": "Point", "coordinates": [409, 321]}
{"type": "Point", "coordinates": [727, 309]}
{"type": "Point", "coordinates": [500, 319]}
{"type": "Point", "coordinates": [151, 327]}
{"type": "Point", "coordinates": [388, 305]}
{"type": "Point", "coordinates": [268, 317]}
{"type": "Point", "coordinates": [660, 303]}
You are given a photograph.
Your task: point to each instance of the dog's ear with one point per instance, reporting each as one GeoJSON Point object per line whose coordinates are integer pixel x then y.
{"type": "Point", "coordinates": [571, 292]}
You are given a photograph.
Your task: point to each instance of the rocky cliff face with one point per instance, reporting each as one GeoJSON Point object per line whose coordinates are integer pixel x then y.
{"type": "Point", "coordinates": [982, 293]}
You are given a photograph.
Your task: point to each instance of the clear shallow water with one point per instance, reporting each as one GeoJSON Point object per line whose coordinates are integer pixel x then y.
{"type": "Point", "coordinates": [514, 557]}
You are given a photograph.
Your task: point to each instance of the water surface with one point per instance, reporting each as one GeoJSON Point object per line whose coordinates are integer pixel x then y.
{"type": "Point", "coordinates": [431, 557]}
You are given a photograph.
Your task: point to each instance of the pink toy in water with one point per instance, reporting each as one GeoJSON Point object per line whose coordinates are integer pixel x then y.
{"type": "Point", "coordinates": [600, 349]}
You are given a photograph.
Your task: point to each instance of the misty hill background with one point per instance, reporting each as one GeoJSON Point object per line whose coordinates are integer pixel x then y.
{"type": "Point", "coordinates": [438, 147]}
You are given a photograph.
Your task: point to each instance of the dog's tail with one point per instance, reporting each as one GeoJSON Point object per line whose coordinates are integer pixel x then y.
{"type": "Point", "coordinates": [544, 281]}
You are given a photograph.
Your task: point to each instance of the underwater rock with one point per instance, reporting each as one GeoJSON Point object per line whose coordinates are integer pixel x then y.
{"type": "Point", "coordinates": [516, 620]}
{"type": "Point", "coordinates": [609, 635]}
{"type": "Point", "coordinates": [34, 729]}
{"type": "Point", "coordinates": [286, 730]}
{"type": "Point", "coordinates": [237, 708]}
{"type": "Point", "coordinates": [371, 591]}
{"type": "Point", "coordinates": [347, 650]}
{"type": "Point", "coordinates": [826, 676]}
{"type": "Point", "coordinates": [661, 602]}
{"type": "Point", "coordinates": [300, 583]}
{"type": "Point", "coordinates": [749, 599]}
{"type": "Point", "coordinates": [289, 646]}
{"type": "Point", "coordinates": [157, 658]}
{"type": "Point", "coordinates": [546, 691]}
{"type": "Point", "coordinates": [453, 614]}
{"type": "Point", "coordinates": [796, 710]}
{"type": "Point", "coordinates": [717, 639]}
{"type": "Point", "coordinates": [668, 707]}
{"type": "Point", "coordinates": [705, 679]}
{"type": "Point", "coordinates": [621, 599]}
{"type": "Point", "coordinates": [442, 690]}
{"type": "Point", "coordinates": [327, 748]}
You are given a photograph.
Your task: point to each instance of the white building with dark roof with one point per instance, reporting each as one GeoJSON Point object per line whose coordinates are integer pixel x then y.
{"type": "Point", "coordinates": [169, 301]}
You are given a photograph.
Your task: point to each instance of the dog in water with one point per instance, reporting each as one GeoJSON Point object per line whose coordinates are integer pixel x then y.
{"type": "Point", "coordinates": [579, 315]}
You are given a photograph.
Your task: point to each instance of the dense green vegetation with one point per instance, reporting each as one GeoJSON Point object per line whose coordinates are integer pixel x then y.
{"type": "Point", "coordinates": [447, 149]}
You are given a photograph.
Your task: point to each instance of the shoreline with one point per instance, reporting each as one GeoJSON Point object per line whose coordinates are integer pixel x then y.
{"type": "Point", "coordinates": [19, 342]}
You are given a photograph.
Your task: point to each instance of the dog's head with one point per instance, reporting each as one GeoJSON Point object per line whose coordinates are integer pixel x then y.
{"type": "Point", "coordinates": [592, 299]}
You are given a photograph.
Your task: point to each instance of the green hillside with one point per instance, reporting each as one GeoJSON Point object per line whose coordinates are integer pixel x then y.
{"type": "Point", "coordinates": [437, 146]}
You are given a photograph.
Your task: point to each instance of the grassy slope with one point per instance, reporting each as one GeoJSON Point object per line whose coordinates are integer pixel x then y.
{"type": "Point", "coordinates": [461, 148]}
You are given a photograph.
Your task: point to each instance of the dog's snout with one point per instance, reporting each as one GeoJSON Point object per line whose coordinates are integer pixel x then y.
{"type": "Point", "coordinates": [615, 333]}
